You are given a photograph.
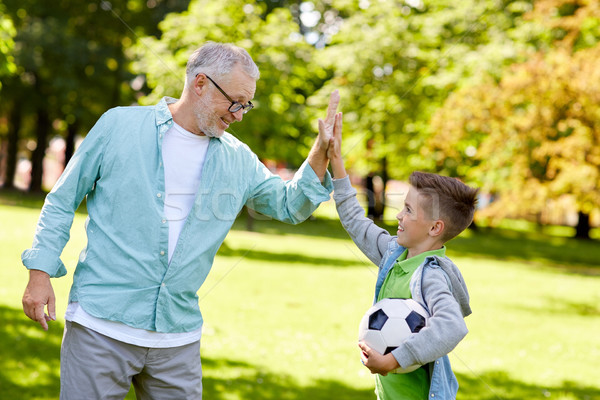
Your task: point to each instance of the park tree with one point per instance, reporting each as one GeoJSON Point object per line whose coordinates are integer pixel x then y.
{"type": "Point", "coordinates": [534, 135]}
{"type": "Point", "coordinates": [573, 24]}
{"type": "Point", "coordinates": [7, 33]}
{"type": "Point", "coordinates": [7, 69]}
{"type": "Point", "coordinates": [70, 67]}
{"type": "Point", "coordinates": [395, 63]}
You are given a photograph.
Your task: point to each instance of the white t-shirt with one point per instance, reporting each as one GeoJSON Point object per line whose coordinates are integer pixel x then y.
{"type": "Point", "coordinates": [183, 156]}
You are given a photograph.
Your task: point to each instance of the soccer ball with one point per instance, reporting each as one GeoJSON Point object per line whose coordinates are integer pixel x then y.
{"type": "Point", "coordinates": [389, 322]}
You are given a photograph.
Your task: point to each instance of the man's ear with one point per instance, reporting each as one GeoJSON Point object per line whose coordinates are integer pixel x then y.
{"type": "Point", "coordinates": [200, 83]}
{"type": "Point", "coordinates": [437, 228]}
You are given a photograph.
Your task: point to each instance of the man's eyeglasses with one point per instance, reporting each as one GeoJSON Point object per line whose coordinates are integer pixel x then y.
{"type": "Point", "coordinates": [235, 105]}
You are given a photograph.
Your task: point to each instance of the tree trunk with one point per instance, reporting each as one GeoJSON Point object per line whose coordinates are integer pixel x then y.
{"type": "Point", "coordinates": [37, 158]}
{"type": "Point", "coordinates": [370, 189]}
{"type": "Point", "coordinates": [14, 126]}
{"type": "Point", "coordinates": [385, 178]}
{"type": "Point", "coordinates": [70, 141]}
{"type": "Point", "coordinates": [582, 230]}
{"type": "Point", "coordinates": [375, 198]}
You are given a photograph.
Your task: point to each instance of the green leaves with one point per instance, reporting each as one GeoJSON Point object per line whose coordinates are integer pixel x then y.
{"type": "Point", "coordinates": [7, 33]}
{"type": "Point", "coordinates": [538, 127]}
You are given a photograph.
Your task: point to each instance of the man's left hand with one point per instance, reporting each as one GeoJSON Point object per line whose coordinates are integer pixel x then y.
{"type": "Point", "coordinates": [326, 126]}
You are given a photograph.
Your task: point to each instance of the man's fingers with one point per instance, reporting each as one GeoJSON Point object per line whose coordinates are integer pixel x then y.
{"type": "Point", "coordinates": [40, 316]}
{"type": "Point", "coordinates": [39, 294]}
{"type": "Point", "coordinates": [334, 101]}
{"type": "Point", "coordinates": [321, 127]}
{"type": "Point", "coordinates": [324, 134]}
{"type": "Point", "coordinates": [51, 308]}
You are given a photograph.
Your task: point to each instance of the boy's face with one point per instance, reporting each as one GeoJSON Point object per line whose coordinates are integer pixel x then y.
{"type": "Point", "coordinates": [413, 224]}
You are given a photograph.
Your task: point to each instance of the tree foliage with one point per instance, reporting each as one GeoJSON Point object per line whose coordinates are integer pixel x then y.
{"type": "Point", "coordinates": [573, 24]}
{"type": "Point", "coordinates": [397, 61]}
{"type": "Point", "coordinates": [499, 92]}
{"type": "Point", "coordinates": [535, 135]}
{"type": "Point", "coordinates": [70, 65]}
{"type": "Point", "coordinates": [7, 33]}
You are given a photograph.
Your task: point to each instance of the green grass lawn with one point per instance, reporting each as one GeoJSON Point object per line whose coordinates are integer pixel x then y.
{"type": "Point", "coordinates": [282, 306]}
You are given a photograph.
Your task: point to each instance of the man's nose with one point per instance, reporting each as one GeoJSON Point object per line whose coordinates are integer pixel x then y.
{"type": "Point", "coordinates": [239, 114]}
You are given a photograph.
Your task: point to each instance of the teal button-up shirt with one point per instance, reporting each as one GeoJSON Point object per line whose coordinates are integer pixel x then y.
{"type": "Point", "coordinates": [123, 274]}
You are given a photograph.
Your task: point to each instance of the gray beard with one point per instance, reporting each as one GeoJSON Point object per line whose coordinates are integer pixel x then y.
{"type": "Point", "coordinates": [204, 120]}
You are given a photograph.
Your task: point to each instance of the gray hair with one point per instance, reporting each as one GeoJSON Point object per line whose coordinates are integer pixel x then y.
{"type": "Point", "coordinates": [217, 60]}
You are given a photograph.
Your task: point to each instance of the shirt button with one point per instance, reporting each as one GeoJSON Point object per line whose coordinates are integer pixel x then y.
{"type": "Point", "coordinates": [158, 195]}
{"type": "Point", "coordinates": [163, 284]}
{"type": "Point", "coordinates": [162, 253]}
{"type": "Point", "coordinates": [164, 221]}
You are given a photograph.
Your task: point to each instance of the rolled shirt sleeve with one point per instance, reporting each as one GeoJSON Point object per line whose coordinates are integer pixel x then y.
{"type": "Point", "coordinates": [290, 201]}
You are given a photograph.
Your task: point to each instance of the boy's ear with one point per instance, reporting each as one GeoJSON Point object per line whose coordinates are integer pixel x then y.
{"type": "Point", "coordinates": [437, 228]}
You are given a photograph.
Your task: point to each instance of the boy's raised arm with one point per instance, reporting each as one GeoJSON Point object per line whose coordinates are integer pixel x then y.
{"type": "Point", "coordinates": [370, 239]}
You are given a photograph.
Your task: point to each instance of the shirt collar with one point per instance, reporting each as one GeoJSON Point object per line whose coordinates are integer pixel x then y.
{"type": "Point", "coordinates": [163, 114]}
{"type": "Point", "coordinates": [411, 264]}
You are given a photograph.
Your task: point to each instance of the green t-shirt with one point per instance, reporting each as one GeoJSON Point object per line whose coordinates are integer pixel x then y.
{"type": "Point", "coordinates": [414, 385]}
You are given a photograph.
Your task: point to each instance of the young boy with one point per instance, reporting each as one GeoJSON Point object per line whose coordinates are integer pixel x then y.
{"type": "Point", "coordinates": [413, 265]}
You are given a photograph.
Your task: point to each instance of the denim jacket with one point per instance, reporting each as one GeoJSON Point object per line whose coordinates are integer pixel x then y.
{"type": "Point", "coordinates": [437, 285]}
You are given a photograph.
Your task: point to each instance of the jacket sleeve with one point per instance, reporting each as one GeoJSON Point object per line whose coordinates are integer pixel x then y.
{"type": "Point", "coordinates": [290, 201]}
{"type": "Point", "coordinates": [77, 180]}
{"type": "Point", "coordinates": [445, 327]}
{"type": "Point", "coordinates": [371, 240]}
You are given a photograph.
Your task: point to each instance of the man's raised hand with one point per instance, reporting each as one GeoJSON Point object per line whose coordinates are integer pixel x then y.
{"type": "Point", "coordinates": [326, 126]}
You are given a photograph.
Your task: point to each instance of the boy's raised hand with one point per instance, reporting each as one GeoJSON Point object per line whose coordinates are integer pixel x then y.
{"type": "Point", "coordinates": [334, 150]}
{"type": "Point", "coordinates": [377, 362]}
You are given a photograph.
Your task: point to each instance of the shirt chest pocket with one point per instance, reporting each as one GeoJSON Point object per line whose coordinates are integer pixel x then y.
{"type": "Point", "coordinates": [220, 202]}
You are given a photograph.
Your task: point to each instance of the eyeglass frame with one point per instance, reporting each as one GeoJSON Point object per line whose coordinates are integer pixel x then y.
{"type": "Point", "coordinates": [236, 104]}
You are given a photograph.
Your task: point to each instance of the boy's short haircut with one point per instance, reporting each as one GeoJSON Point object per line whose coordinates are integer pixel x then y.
{"type": "Point", "coordinates": [447, 199]}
